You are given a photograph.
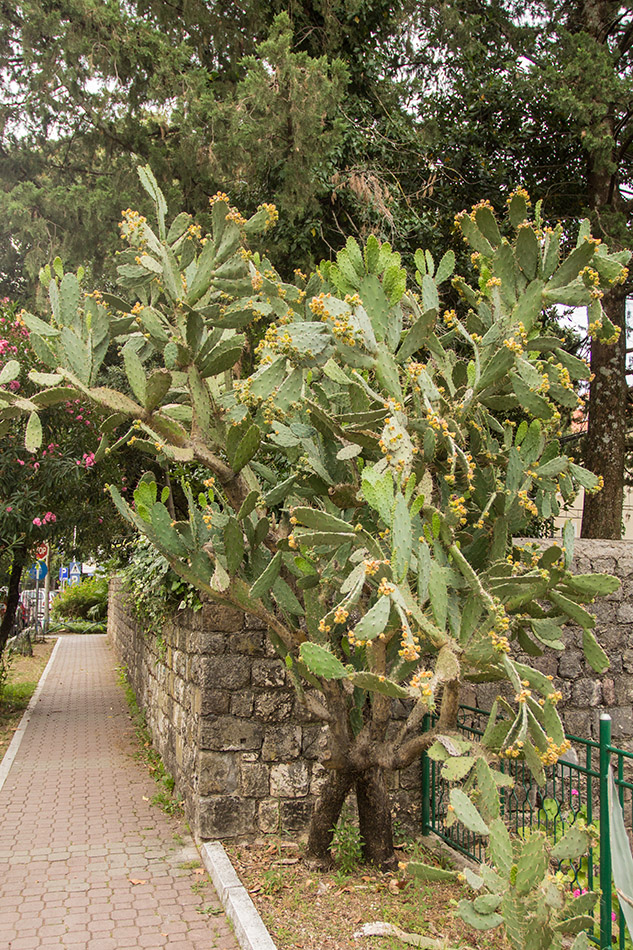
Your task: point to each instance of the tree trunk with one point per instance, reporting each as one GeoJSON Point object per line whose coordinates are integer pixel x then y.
{"type": "Point", "coordinates": [13, 596]}
{"type": "Point", "coordinates": [606, 436]}
{"type": "Point", "coordinates": [374, 818]}
{"type": "Point", "coordinates": [325, 816]}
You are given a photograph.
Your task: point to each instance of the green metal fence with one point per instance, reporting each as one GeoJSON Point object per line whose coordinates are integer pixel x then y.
{"type": "Point", "coordinates": [575, 788]}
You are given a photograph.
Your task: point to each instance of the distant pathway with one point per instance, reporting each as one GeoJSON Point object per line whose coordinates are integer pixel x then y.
{"type": "Point", "coordinates": [77, 829]}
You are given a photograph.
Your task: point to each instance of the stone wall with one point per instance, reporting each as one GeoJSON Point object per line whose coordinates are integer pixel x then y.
{"type": "Point", "coordinates": [586, 694]}
{"type": "Point", "coordinates": [243, 751]}
{"type": "Point", "coordinates": [226, 721]}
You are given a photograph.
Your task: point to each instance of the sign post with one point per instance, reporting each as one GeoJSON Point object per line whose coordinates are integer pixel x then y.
{"type": "Point", "coordinates": [74, 572]}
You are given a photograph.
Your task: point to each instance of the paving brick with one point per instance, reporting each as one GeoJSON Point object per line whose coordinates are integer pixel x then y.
{"type": "Point", "coordinates": [65, 873]}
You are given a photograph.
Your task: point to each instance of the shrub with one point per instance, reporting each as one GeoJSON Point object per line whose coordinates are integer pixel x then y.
{"type": "Point", "coordinates": [87, 600]}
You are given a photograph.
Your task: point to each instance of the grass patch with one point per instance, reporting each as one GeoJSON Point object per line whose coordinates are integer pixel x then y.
{"type": "Point", "coordinates": [23, 677]}
{"type": "Point", "coordinates": [166, 797]}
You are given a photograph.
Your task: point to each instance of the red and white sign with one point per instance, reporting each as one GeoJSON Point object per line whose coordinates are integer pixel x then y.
{"type": "Point", "coordinates": [41, 551]}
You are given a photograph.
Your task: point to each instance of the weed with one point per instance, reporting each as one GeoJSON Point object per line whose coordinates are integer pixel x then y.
{"type": "Point", "coordinates": [209, 910]}
{"type": "Point", "coordinates": [189, 865]}
{"type": "Point", "coordinates": [167, 799]}
{"type": "Point", "coordinates": [348, 843]}
{"type": "Point", "coordinates": [273, 880]}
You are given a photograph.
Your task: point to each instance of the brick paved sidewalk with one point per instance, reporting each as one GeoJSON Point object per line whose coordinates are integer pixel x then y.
{"type": "Point", "coordinates": [76, 828]}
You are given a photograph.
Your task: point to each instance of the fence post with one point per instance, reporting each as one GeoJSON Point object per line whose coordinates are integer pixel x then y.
{"type": "Point", "coordinates": [426, 783]}
{"type": "Point", "coordinates": [605, 839]}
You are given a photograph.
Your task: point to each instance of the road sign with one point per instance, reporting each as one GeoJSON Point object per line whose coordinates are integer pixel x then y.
{"type": "Point", "coordinates": [63, 573]}
{"type": "Point", "coordinates": [73, 579]}
{"type": "Point", "coordinates": [75, 568]}
{"type": "Point", "coordinates": [41, 551]}
{"type": "Point", "coordinates": [38, 571]}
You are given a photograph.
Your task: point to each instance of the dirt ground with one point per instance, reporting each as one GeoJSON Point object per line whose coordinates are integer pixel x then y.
{"type": "Point", "coordinates": [308, 910]}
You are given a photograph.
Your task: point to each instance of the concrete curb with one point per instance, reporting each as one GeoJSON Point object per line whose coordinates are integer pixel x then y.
{"type": "Point", "coordinates": [250, 931]}
{"type": "Point", "coordinates": [12, 751]}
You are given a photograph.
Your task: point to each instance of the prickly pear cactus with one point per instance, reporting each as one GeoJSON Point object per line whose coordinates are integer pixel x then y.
{"type": "Point", "coordinates": [364, 477]}
{"type": "Point", "coordinates": [515, 887]}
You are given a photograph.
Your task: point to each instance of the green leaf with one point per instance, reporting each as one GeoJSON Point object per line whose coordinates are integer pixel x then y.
{"type": "Point", "coordinates": [374, 621]}
{"type": "Point", "coordinates": [33, 433]}
{"type": "Point", "coordinates": [135, 372]}
{"type": "Point", "coordinates": [573, 610]}
{"type": "Point", "coordinates": [246, 448]}
{"type": "Point", "coordinates": [267, 578]}
{"type": "Point", "coordinates": [11, 371]}
{"type": "Point", "coordinates": [429, 872]}
{"type": "Point", "coordinates": [401, 539]}
{"type": "Point", "coordinates": [466, 813]}
{"type": "Point", "coordinates": [596, 657]}
{"type": "Point", "coordinates": [233, 545]}
{"type": "Point", "coordinates": [322, 662]}
{"type": "Point", "coordinates": [574, 843]}
{"type": "Point", "coordinates": [378, 684]}
{"type": "Point", "coordinates": [479, 921]}
{"type": "Point", "coordinates": [532, 864]}
{"type": "Point", "coordinates": [438, 594]}
{"type": "Point", "coordinates": [445, 267]}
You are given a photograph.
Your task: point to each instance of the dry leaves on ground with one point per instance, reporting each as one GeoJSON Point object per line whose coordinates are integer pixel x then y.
{"type": "Point", "coordinates": [308, 910]}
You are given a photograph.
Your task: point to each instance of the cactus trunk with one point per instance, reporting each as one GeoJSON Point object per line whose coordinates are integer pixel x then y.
{"type": "Point", "coordinates": [374, 818]}
{"type": "Point", "coordinates": [325, 816]}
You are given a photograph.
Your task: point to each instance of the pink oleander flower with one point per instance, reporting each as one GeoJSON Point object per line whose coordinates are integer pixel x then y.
{"type": "Point", "coordinates": [575, 791]}
{"type": "Point", "coordinates": [37, 521]}
{"type": "Point", "coordinates": [9, 508]}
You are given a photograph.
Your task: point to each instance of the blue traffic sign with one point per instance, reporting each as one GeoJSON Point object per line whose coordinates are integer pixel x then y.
{"type": "Point", "coordinates": [75, 568]}
{"type": "Point", "coordinates": [38, 571]}
{"type": "Point", "coordinates": [63, 573]}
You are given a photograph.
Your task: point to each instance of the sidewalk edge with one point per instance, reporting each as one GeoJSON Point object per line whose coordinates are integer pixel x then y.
{"type": "Point", "coordinates": [250, 930]}
{"type": "Point", "coordinates": [12, 751]}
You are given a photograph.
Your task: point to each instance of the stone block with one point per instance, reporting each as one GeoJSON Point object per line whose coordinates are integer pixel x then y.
{"type": "Point", "coordinates": [411, 777]}
{"type": "Point", "coordinates": [580, 722]}
{"type": "Point", "coordinates": [242, 703]}
{"type": "Point", "coordinates": [267, 673]}
{"type": "Point", "coordinates": [209, 642]}
{"type": "Point", "coordinates": [281, 743]}
{"type": "Point", "coordinates": [214, 702]}
{"type": "Point", "coordinates": [623, 690]}
{"type": "Point", "coordinates": [225, 672]}
{"type": "Point", "coordinates": [569, 665]}
{"type": "Point", "coordinates": [621, 723]}
{"type": "Point", "coordinates": [587, 692]}
{"type": "Point", "coordinates": [268, 816]}
{"type": "Point", "coordinates": [273, 705]}
{"type": "Point", "coordinates": [624, 613]}
{"type": "Point", "coordinates": [226, 734]}
{"type": "Point", "coordinates": [289, 780]}
{"type": "Point", "coordinates": [296, 815]}
{"type": "Point", "coordinates": [608, 692]}
{"type": "Point", "coordinates": [247, 642]}
{"type": "Point", "coordinates": [255, 780]}
{"type": "Point", "coordinates": [227, 816]}
{"type": "Point", "coordinates": [220, 618]}
{"type": "Point", "coordinates": [218, 773]}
